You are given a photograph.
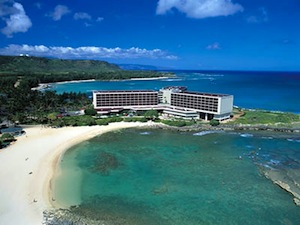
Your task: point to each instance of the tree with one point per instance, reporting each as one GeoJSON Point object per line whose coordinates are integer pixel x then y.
{"type": "Point", "coordinates": [7, 137]}
{"type": "Point", "coordinates": [90, 112]}
{"type": "Point", "coordinates": [151, 114]}
{"type": "Point", "coordinates": [52, 117]}
{"type": "Point", "coordinates": [214, 122]}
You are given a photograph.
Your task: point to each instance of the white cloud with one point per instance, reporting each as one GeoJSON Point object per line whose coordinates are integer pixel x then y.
{"type": "Point", "coordinates": [99, 19]}
{"type": "Point", "coordinates": [85, 52]}
{"type": "Point", "coordinates": [59, 12]}
{"type": "Point", "coordinates": [38, 5]}
{"type": "Point", "coordinates": [15, 18]}
{"type": "Point", "coordinates": [82, 16]}
{"type": "Point", "coordinates": [200, 8]}
{"type": "Point", "coordinates": [260, 17]}
{"type": "Point", "coordinates": [214, 46]}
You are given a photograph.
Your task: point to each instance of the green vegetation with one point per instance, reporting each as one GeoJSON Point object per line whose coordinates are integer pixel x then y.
{"type": "Point", "coordinates": [106, 121]}
{"type": "Point", "coordinates": [90, 111]}
{"type": "Point", "coordinates": [43, 70]}
{"type": "Point", "coordinates": [25, 106]}
{"type": "Point", "coordinates": [214, 122]}
{"type": "Point", "coordinates": [5, 139]}
{"type": "Point", "coordinates": [264, 117]}
{"type": "Point", "coordinates": [151, 114]}
{"type": "Point", "coordinates": [33, 107]}
{"type": "Point", "coordinates": [38, 65]}
{"type": "Point", "coordinates": [135, 119]}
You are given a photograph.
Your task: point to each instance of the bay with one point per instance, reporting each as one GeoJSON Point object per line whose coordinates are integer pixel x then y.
{"type": "Point", "coordinates": [147, 176]}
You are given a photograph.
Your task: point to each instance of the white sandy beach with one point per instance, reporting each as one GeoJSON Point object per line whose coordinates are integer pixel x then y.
{"type": "Point", "coordinates": [27, 166]}
{"type": "Point", "coordinates": [149, 78]}
{"type": "Point", "coordinates": [43, 86]}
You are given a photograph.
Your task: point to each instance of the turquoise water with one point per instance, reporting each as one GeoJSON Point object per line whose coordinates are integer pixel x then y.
{"type": "Point", "coordinates": [141, 176]}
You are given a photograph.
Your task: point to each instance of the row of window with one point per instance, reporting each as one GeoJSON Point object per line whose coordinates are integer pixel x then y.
{"type": "Point", "coordinates": [125, 100]}
{"type": "Point", "coordinates": [195, 102]}
{"type": "Point", "coordinates": [193, 98]}
{"type": "Point", "coordinates": [108, 95]}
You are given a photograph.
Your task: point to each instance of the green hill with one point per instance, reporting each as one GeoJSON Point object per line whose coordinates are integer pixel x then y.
{"type": "Point", "coordinates": [23, 65]}
{"type": "Point", "coordinates": [45, 70]}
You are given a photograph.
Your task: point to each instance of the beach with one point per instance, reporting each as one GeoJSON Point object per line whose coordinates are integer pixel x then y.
{"type": "Point", "coordinates": [149, 78]}
{"type": "Point", "coordinates": [28, 165]}
{"type": "Point", "coordinates": [43, 86]}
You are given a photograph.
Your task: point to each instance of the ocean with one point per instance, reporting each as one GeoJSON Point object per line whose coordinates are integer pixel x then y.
{"type": "Point", "coordinates": [277, 91]}
{"type": "Point", "coordinates": [150, 176]}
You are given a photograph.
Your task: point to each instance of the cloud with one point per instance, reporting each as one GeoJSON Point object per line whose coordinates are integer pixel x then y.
{"type": "Point", "coordinates": [82, 16]}
{"type": "Point", "coordinates": [85, 52]}
{"type": "Point", "coordinates": [59, 12]}
{"type": "Point", "coordinates": [15, 18]}
{"type": "Point", "coordinates": [38, 5]}
{"type": "Point", "coordinates": [214, 46]}
{"type": "Point", "coordinates": [260, 17]}
{"type": "Point", "coordinates": [99, 19]}
{"type": "Point", "coordinates": [200, 8]}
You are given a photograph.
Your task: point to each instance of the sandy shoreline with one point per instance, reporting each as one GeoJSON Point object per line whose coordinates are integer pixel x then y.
{"type": "Point", "coordinates": [149, 78]}
{"type": "Point", "coordinates": [43, 86]}
{"type": "Point", "coordinates": [27, 166]}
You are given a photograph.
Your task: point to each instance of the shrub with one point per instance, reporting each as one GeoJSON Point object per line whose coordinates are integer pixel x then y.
{"type": "Point", "coordinates": [103, 122]}
{"type": "Point", "coordinates": [175, 123]}
{"type": "Point", "coordinates": [135, 119]}
{"type": "Point", "coordinates": [115, 119]}
{"type": "Point", "coordinates": [7, 137]}
{"type": "Point", "coordinates": [151, 114]}
{"type": "Point", "coordinates": [214, 122]}
{"type": "Point", "coordinates": [90, 112]}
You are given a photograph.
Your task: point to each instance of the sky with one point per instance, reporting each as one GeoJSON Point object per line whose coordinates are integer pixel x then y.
{"type": "Point", "coordinates": [171, 34]}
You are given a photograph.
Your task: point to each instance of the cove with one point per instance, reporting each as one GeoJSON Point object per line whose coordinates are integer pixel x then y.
{"type": "Point", "coordinates": [152, 176]}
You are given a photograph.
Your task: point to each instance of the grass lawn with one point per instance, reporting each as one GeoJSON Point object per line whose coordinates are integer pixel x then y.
{"type": "Point", "coordinates": [265, 117]}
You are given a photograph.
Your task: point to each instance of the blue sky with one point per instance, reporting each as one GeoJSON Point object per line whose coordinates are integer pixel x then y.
{"type": "Point", "coordinates": [176, 34]}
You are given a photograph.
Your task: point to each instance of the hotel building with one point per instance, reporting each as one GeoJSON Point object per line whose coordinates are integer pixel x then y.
{"type": "Point", "coordinates": [173, 101]}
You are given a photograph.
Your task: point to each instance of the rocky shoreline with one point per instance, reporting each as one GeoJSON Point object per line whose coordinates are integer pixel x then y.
{"type": "Point", "coordinates": [67, 217]}
{"type": "Point", "coordinates": [286, 179]}
{"type": "Point", "coordinates": [227, 127]}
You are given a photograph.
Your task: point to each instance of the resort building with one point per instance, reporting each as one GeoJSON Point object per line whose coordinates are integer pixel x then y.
{"type": "Point", "coordinates": [173, 101]}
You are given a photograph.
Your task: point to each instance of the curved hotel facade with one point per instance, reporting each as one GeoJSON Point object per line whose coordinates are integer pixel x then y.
{"type": "Point", "coordinates": [173, 101]}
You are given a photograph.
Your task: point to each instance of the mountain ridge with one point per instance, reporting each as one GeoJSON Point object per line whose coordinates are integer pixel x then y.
{"type": "Point", "coordinates": [10, 65]}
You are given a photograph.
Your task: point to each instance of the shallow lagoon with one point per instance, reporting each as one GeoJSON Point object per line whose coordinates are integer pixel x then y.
{"type": "Point", "coordinates": [136, 176]}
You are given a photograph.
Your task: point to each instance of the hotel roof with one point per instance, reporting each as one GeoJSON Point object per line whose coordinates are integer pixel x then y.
{"type": "Point", "coordinates": [123, 91]}
{"type": "Point", "coordinates": [204, 93]}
